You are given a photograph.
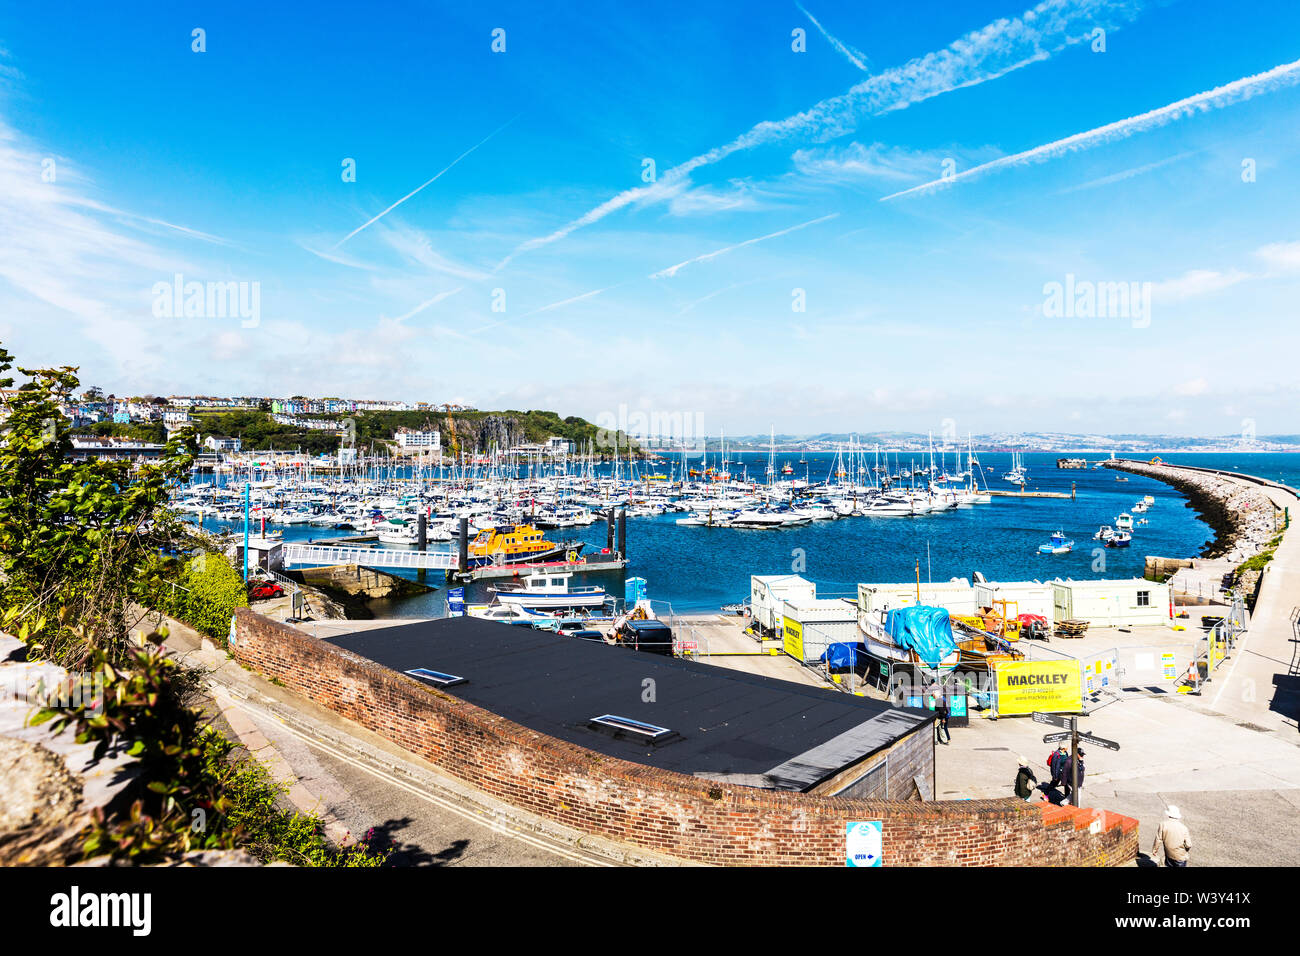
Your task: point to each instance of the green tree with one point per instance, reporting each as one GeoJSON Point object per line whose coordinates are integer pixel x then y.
{"type": "Point", "coordinates": [74, 535]}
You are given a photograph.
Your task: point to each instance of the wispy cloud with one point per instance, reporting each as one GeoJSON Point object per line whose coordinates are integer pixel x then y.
{"type": "Point", "coordinates": [428, 182]}
{"type": "Point", "coordinates": [1196, 282]}
{"type": "Point", "coordinates": [1288, 74]}
{"type": "Point", "coordinates": [673, 270]}
{"type": "Point", "coordinates": [856, 57]}
{"type": "Point", "coordinates": [988, 53]}
{"type": "Point", "coordinates": [1282, 256]}
{"type": "Point", "coordinates": [859, 162]}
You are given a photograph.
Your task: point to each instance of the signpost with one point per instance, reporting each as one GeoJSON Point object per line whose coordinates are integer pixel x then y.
{"type": "Point", "coordinates": [1041, 718]}
{"type": "Point", "coordinates": [1099, 741]}
{"type": "Point", "coordinates": [1072, 734]}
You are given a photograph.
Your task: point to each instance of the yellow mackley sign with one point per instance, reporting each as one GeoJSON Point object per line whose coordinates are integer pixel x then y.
{"type": "Point", "coordinates": [792, 631]}
{"type": "Point", "coordinates": [1027, 686]}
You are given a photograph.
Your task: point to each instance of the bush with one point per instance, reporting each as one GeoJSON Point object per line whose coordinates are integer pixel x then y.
{"type": "Point", "coordinates": [215, 589]}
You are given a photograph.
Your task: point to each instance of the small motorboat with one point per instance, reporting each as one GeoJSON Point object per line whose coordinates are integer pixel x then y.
{"type": "Point", "coordinates": [1058, 545]}
{"type": "Point", "coordinates": [1104, 533]}
{"type": "Point", "coordinates": [1121, 539]}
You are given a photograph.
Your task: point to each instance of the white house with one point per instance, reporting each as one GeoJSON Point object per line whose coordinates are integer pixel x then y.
{"type": "Point", "coordinates": [219, 443]}
{"type": "Point", "coordinates": [414, 438]}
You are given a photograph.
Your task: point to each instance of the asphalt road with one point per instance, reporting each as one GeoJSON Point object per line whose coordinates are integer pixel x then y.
{"type": "Point", "coordinates": [423, 826]}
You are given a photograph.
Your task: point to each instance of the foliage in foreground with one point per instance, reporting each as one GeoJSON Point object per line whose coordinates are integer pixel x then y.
{"type": "Point", "coordinates": [198, 795]}
{"type": "Point", "coordinates": [76, 537]}
{"type": "Point", "coordinates": [82, 547]}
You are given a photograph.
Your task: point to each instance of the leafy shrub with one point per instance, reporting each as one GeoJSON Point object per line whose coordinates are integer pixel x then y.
{"type": "Point", "coordinates": [214, 589]}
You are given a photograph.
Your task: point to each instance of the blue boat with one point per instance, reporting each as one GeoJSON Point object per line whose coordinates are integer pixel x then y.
{"type": "Point", "coordinates": [1058, 545]}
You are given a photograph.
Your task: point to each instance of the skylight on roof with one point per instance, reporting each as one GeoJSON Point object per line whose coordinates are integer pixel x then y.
{"type": "Point", "coordinates": [626, 725]}
{"type": "Point", "coordinates": [435, 677]}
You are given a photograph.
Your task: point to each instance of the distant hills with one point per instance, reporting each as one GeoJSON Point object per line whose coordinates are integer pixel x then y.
{"type": "Point", "coordinates": [1020, 441]}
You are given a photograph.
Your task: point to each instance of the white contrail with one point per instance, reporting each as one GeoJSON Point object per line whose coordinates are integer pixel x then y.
{"type": "Point", "coordinates": [436, 176]}
{"type": "Point", "coordinates": [428, 302]}
{"type": "Point", "coordinates": [1235, 92]}
{"type": "Point", "coordinates": [546, 308]}
{"type": "Point", "coordinates": [853, 56]}
{"type": "Point", "coordinates": [673, 270]}
{"type": "Point", "coordinates": [986, 54]}
{"type": "Point", "coordinates": [569, 301]}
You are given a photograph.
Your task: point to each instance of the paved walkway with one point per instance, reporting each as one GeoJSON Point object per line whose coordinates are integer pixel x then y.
{"type": "Point", "coordinates": [1261, 683]}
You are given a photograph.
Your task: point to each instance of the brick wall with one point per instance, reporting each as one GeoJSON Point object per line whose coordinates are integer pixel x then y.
{"type": "Point", "coordinates": [668, 812]}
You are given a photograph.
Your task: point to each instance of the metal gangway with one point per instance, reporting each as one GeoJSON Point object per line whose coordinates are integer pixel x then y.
{"type": "Point", "coordinates": [319, 554]}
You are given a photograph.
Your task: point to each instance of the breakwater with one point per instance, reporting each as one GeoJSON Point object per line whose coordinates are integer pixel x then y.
{"type": "Point", "coordinates": [1243, 517]}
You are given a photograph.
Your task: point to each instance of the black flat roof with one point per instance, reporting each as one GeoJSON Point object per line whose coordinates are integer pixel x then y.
{"type": "Point", "coordinates": [727, 724]}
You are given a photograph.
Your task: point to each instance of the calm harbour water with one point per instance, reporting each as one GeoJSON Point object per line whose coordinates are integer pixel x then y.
{"type": "Point", "coordinates": [700, 569]}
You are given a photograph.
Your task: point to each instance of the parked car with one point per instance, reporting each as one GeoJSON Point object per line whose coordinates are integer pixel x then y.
{"type": "Point", "coordinates": [653, 637]}
{"type": "Point", "coordinates": [586, 634]}
{"type": "Point", "coordinates": [262, 590]}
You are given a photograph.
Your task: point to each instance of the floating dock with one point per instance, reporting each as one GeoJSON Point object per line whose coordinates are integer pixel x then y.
{"type": "Point", "coordinates": [605, 563]}
{"type": "Point", "coordinates": [1031, 494]}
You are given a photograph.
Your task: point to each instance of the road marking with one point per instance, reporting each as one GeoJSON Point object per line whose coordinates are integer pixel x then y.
{"type": "Point", "coordinates": [441, 802]}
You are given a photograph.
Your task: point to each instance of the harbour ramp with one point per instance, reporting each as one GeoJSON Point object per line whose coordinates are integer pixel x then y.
{"type": "Point", "coordinates": [322, 555]}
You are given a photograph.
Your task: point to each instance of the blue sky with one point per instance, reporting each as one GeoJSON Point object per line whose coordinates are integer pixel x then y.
{"type": "Point", "coordinates": [774, 172]}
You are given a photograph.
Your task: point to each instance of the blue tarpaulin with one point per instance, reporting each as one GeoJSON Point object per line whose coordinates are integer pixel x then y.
{"type": "Point", "coordinates": [925, 630]}
{"type": "Point", "coordinates": [841, 657]}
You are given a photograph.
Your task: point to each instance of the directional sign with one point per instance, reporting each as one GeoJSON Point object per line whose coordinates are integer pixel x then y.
{"type": "Point", "coordinates": [1053, 738]}
{"type": "Point", "coordinates": [1041, 718]}
{"type": "Point", "coordinates": [1099, 741]}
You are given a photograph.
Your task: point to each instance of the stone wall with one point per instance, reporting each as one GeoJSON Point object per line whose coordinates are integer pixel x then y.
{"type": "Point", "coordinates": [671, 813]}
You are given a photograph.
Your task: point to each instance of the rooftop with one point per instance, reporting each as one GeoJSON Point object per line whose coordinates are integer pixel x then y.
{"type": "Point", "coordinates": [724, 724]}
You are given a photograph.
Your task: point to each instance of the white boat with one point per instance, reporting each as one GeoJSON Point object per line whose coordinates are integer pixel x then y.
{"type": "Point", "coordinates": [875, 635]}
{"type": "Point", "coordinates": [1124, 522]}
{"type": "Point", "coordinates": [505, 614]}
{"type": "Point", "coordinates": [550, 590]}
{"type": "Point", "coordinates": [759, 519]}
{"type": "Point", "coordinates": [1104, 533]}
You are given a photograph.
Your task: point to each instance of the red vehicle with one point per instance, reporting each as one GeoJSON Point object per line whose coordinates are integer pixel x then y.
{"type": "Point", "coordinates": [265, 589]}
{"type": "Point", "coordinates": [1034, 626]}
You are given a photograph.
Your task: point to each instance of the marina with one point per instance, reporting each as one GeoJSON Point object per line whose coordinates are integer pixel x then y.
{"type": "Point", "coordinates": [701, 568]}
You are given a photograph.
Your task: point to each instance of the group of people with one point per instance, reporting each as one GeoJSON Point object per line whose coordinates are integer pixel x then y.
{"type": "Point", "coordinates": [1061, 765]}
{"type": "Point", "coordinates": [1173, 840]}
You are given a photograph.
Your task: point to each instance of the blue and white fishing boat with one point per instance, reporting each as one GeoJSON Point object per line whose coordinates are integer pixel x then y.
{"type": "Point", "coordinates": [1058, 545]}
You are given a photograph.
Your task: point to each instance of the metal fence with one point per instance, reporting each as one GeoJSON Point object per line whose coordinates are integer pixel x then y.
{"type": "Point", "coordinates": [1218, 643]}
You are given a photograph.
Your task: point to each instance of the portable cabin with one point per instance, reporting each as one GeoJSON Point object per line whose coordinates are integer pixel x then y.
{"type": "Point", "coordinates": [1117, 603]}
{"type": "Point", "coordinates": [768, 594]}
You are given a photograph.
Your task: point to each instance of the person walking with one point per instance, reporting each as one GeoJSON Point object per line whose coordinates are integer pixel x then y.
{"type": "Point", "coordinates": [1071, 794]}
{"type": "Point", "coordinates": [1173, 839]}
{"type": "Point", "coordinates": [1056, 762]}
{"type": "Point", "coordinates": [941, 724]}
{"type": "Point", "coordinates": [1026, 782]}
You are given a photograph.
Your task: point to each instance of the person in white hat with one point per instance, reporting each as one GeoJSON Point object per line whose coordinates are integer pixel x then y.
{"type": "Point", "coordinates": [1026, 782]}
{"type": "Point", "coordinates": [1173, 839]}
